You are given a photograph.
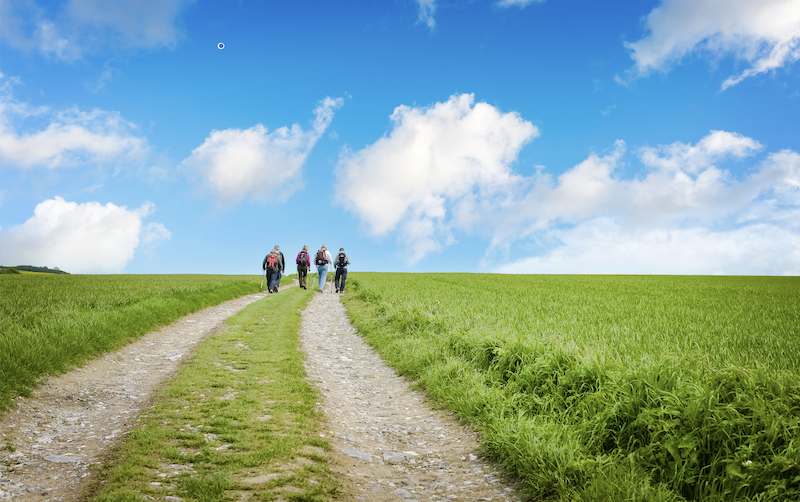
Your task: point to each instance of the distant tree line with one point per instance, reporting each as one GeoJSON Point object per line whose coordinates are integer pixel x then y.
{"type": "Point", "coordinates": [31, 268]}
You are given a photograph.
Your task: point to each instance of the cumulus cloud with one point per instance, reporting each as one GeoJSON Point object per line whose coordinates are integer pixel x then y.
{"type": "Point", "coordinates": [71, 136]}
{"type": "Point", "coordinates": [764, 33]}
{"type": "Point", "coordinates": [440, 167]}
{"type": "Point", "coordinates": [686, 215]}
{"type": "Point", "coordinates": [80, 238]}
{"type": "Point", "coordinates": [82, 27]}
{"type": "Point", "coordinates": [256, 163]}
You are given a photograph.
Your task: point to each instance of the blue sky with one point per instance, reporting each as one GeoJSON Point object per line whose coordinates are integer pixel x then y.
{"type": "Point", "coordinates": [554, 136]}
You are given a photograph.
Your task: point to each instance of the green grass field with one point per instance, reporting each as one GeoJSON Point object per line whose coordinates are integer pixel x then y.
{"type": "Point", "coordinates": [607, 388]}
{"type": "Point", "coordinates": [239, 422]}
{"type": "Point", "coordinates": [50, 323]}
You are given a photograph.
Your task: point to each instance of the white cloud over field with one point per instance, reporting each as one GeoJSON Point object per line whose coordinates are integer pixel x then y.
{"type": "Point", "coordinates": [682, 215]}
{"type": "Point", "coordinates": [80, 238]}
{"type": "Point", "coordinates": [604, 246]}
{"type": "Point", "coordinates": [70, 137]}
{"type": "Point", "coordinates": [267, 166]}
{"type": "Point", "coordinates": [446, 170]}
{"type": "Point", "coordinates": [763, 33]}
{"type": "Point", "coordinates": [81, 27]}
{"type": "Point", "coordinates": [439, 168]}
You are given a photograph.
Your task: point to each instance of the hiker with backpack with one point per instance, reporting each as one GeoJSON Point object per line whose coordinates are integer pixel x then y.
{"type": "Point", "coordinates": [341, 262]}
{"type": "Point", "coordinates": [272, 264]}
{"type": "Point", "coordinates": [283, 265]}
{"type": "Point", "coordinates": [321, 260]}
{"type": "Point", "coordinates": [303, 266]}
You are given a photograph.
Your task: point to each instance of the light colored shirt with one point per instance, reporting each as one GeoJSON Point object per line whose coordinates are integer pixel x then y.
{"type": "Point", "coordinates": [329, 257]}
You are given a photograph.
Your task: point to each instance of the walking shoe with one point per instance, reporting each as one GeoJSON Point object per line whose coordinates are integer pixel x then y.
{"type": "Point", "coordinates": [337, 290]}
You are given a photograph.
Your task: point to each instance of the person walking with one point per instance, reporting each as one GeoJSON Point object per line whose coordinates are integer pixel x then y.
{"type": "Point", "coordinates": [321, 260]}
{"type": "Point", "coordinates": [272, 265]}
{"type": "Point", "coordinates": [341, 262]}
{"type": "Point", "coordinates": [303, 266]}
{"type": "Point", "coordinates": [283, 266]}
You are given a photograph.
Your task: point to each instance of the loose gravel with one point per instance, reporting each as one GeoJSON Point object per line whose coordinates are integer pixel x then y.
{"type": "Point", "coordinates": [391, 444]}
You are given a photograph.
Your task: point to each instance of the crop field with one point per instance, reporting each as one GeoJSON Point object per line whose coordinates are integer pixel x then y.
{"type": "Point", "coordinates": [607, 388]}
{"type": "Point", "coordinates": [49, 323]}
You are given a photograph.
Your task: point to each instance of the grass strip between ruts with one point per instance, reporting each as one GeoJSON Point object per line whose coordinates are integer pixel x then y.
{"type": "Point", "coordinates": [239, 420]}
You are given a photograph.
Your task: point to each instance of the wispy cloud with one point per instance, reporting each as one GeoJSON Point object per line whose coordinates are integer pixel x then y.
{"type": "Point", "coordinates": [437, 169]}
{"type": "Point", "coordinates": [517, 3]}
{"type": "Point", "coordinates": [426, 10]}
{"type": "Point", "coordinates": [265, 166]}
{"type": "Point", "coordinates": [764, 33]}
{"type": "Point", "coordinates": [71, 136]}
{"type": "Point", "coordinates": [80, 238]}
{"type": "Point", "coordinates": [83, 27]}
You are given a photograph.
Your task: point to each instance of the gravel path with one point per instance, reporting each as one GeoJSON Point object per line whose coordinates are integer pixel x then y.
{"type": "Point", "coordinates": [69, 422]}
{"type": "Point", "coordinates": [390, 444]}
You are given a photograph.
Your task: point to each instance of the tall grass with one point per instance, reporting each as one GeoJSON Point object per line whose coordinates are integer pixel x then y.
{"type": "Point", "coordinates": [607, 388]}
{"type": "Point", "coordinates": [49, 323]}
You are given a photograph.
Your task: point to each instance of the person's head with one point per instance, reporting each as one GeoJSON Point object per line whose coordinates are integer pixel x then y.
{"type": "Point", "coordinates": [277, 247]}
{"type": "Point", "coordinates": [273, 252]}
{"type": "Point", "coordinates": [324, 247]}
{"type": "Point", "coordinates": [341, 250]}
{"type": "Point", "coordinates": [305, 248]}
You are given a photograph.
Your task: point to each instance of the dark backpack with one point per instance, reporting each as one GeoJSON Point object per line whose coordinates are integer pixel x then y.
{"type": "Point", "coordinates": [272, 261]}
{"type": "Point", "coordinates": [341, 260]}
{"type": "Point", "coordinates": [303, 260]}
{"type": "Point", "coordinates": [321, 259]}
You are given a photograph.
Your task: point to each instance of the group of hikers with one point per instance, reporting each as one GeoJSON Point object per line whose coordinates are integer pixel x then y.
{"type": "Point", "coordinates": [274, 265]}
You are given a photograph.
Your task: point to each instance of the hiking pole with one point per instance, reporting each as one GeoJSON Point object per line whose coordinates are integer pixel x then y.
{"type": "Point", "coordinates": [262, 280]}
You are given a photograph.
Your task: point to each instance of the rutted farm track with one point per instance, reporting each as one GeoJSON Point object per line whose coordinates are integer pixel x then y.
{"type": "Point", "coordinates": [388, 445]}
{"type": "Point", "coordinates": [70, 421]}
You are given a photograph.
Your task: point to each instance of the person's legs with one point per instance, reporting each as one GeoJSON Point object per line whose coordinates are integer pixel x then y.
{"type": "Point", "coordinates": [301, 275]}
{"type": "Point", "coordinates": [270, 279]}
{"type": "Point", "coordinates": [323, 274]}
{"type": "Point", "coordinates": [344, 278]}
{"type": "Point", "coordinates": [336, 278]}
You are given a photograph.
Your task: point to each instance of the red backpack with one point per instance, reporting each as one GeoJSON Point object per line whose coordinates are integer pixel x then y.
{"type": "Point", "coordinates": [272, 261]}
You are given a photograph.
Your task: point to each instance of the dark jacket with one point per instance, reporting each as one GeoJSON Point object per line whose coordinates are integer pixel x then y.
{"type": "Point", "coordinates": [336, 260]}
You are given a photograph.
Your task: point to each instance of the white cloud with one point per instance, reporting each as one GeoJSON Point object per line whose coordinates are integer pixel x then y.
{"type": "Point", "coordinates": [686, 215]}
{"type": "Point", "coordinates": [764, 33]}
{"type": "Point", "coordinates": [80, 238]}
{"type": "Point", "coordinates": [451, 157]}
{"type": "Point", "coordinates": [83, 27]}
{"type": "Point", "coordinates": [256, 163]}
{"type": "Point", "coordinates": [71, 136]}
{"type": "Point", "coordinates": [426, 10]}
{"type": "Point", "coordinates": [603, 246]}
{"type": "Point", "coordinates": [517, 3]}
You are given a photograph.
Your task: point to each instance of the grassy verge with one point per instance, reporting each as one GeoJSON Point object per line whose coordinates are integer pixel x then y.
{"type": "Point", "coordinates": [238, 422]}
{"type": "Point", "coordinates": [604, 388]}
{"type": "Point", "coordinates": [50, 323]}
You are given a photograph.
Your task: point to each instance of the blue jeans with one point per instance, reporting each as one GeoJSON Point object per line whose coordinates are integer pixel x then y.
{"type": "Point", "coordinates": [323, 273]}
